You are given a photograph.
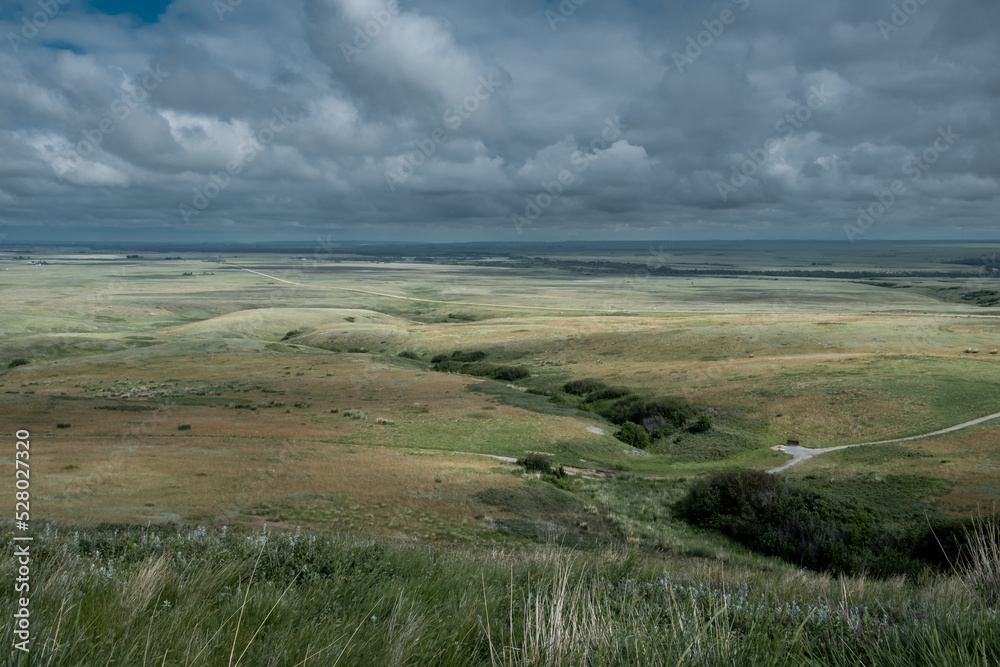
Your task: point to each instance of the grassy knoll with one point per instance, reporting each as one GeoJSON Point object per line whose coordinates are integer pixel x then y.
{"type": "Point", "coordinates": [161, 595]}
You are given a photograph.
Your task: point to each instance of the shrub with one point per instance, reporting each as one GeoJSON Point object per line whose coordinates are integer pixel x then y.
{"type": "Point", "coordinates": [384, 421]}
{"type": "Point", "coordinates": [448, 366]}
{"type": "Point", "coordinates": [63, 425]}
{"type": "Point", "coordinates": [675, 410]}
{"type": "Point", "coordinates": [20, 361]}
{"type": "Point", "coordinates": [509, 373]}
{"type": "Point", "coordinates": [633, 435]}
{"type": "Point", "coordinates": [608, 393]}
{"type": "Point", "coordinates": [409, 354]}
{"type": "Point", "coordinates": [700, 425]}
{"type": "Point", "coordinates": [821, 530]}
{"type": "Point", "coordinates": [356, 414]}
{"type": "Point", "coordinates": [656, 426]}
{"type": "Point", "coordinates": [184, 427]}
{"type": "Point", "coordinates": [292, 334]}
{"type": "Point", "coordinates": [538, 463]}
{"type": "Point", "coordinates": [438, 358]}
{"type": "Point", "coordinates": [583, 387]}
{"type": "Point", "coordinates": [469, 356]}
{"type": "Point", "coordinates": [478, 369]}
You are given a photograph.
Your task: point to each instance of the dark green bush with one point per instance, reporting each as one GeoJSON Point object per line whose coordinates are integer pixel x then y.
{"type": "Point", "coordinates": [408, 354]}
{"type": "Point", "coordinates": [478, 369]}
{"type": "Point", "coordinates": [469, 362]}
{"type": "Point", "coordinates": [657, 426]}
{"type": "Point", "coordinates": [764, 513]}
{"type": "Point", "coordinates": [700, 425]}
{"type": "Point", "coordinates": [184, 427]}
{"type": "Point", "coordinates": [448, 366]}
{"type": "Point", "coordinates": [511, 373]}
{"type": "Point", "coordinates": [606, 393]}
{"type": "Point", "coordinates": [633, 435]}
{"type": "Point", "coordinates": [540, 463]}
{"type": "Point", "coordinates": [20, 361]}
{"type": "Point", "coordinates": [583, 387]}
{"type": "Point", "coordinates": [63, 425]}
{"type": "Point", "coordinates": [468, 356]}
{"type": "Point", "coordinates": [818, 530]}
{"type": "Point", "coordinates": [674, 410]}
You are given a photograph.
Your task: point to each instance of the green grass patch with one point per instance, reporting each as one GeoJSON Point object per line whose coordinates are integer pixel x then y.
{"type": "Point", "coordinates": [541, 404]}
{"type": "Point", "coordinates": [212, 401]}
{"type": "Point", "coordinates": [715, 445]}
{"type": "Point", "coordinates": [896, 497]}
{"type": "Point", "coordinates": [874, 454]}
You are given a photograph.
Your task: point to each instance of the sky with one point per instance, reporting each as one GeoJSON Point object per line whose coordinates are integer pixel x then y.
{"type": "Point", "coordinates": [433, 120]}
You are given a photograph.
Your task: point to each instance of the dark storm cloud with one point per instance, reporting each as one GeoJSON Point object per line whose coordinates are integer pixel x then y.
{"type": "Point", "coordinates": [413, 119]}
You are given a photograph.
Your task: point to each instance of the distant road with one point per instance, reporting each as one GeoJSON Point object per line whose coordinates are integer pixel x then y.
{"type": "Point", "coordinates": [803, 453]}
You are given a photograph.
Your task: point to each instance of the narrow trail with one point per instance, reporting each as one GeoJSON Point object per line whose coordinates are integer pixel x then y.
{"type": "Point", "coordinates": [801, 454]}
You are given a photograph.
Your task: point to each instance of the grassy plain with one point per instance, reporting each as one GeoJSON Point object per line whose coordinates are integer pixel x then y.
{"type": "Point", "coordinates": [299, 410]}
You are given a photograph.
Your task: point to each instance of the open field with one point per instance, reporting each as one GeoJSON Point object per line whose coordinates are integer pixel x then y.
{"type": "Point", "coordinates": [194, 392]}
{"type": "Point", "coordinates": [254, 361]}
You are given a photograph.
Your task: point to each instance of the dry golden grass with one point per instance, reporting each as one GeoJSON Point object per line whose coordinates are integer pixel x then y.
{"type": "Point", "coordinates": [310, 464]}
{"type": "Point", "coordinates": [221, 328]}
{"type": "Point", "coordinates": [218, 481]}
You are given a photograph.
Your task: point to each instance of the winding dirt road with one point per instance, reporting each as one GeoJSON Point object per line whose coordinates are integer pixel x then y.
{"type": "Point", "coordinates": [801, 454]}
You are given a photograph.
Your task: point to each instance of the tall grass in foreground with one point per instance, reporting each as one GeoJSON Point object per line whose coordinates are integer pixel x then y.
{"type": "Point", "coordinates": [981, 572]}
{"type": "Point", "coordinates": [163, 596]}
